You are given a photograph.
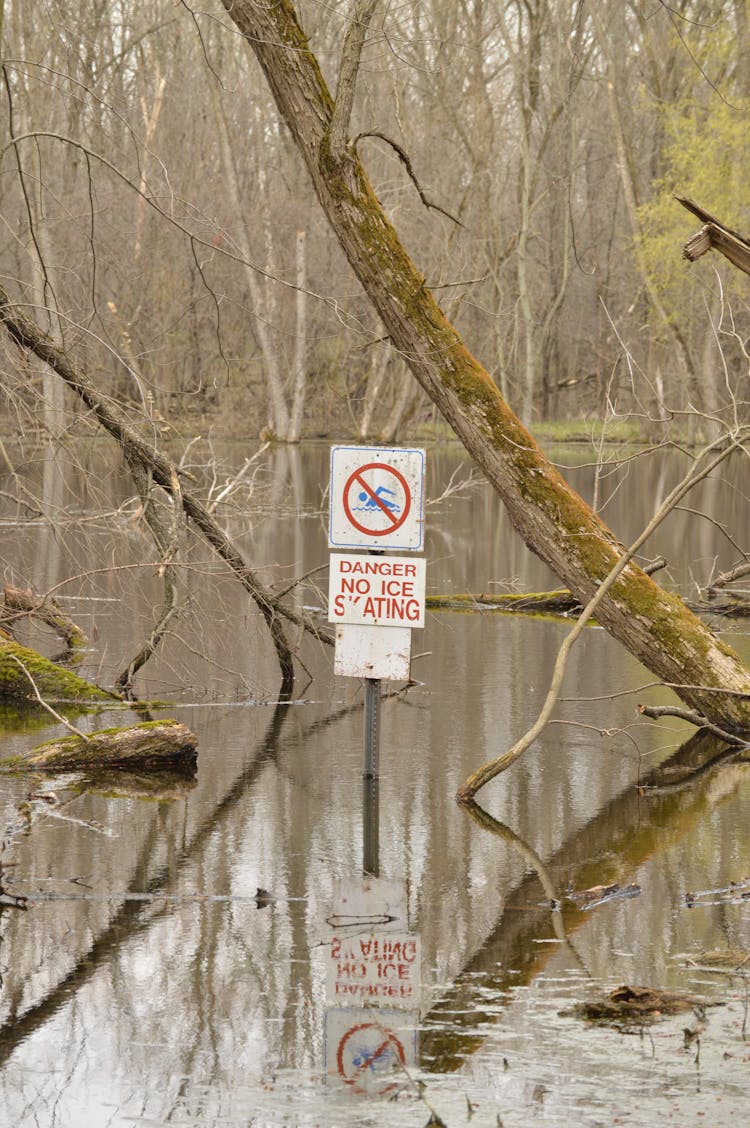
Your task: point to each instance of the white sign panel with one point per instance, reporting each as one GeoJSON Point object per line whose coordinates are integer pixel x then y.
{"type": "Point", "coordinates": [373, 652]}
{"type": "Point", "coordinates": [377, 498]}
{"type": "Point", "coordinates": [376, 591]}
{"type": "Point", "coordinates": [369, 902]}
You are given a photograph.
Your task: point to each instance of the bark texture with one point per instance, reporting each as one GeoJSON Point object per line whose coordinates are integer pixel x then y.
{"type": "Point", "coordinates": [553, 520]}
{"type": "Point", "coordinates": [20, 602]}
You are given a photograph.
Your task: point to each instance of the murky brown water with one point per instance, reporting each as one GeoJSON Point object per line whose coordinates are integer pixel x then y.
{"type": "Point", "coordinates": [145, 984]}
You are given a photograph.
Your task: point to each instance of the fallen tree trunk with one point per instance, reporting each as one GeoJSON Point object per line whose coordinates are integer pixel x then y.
{"type": "Point", "coordinates": [26, 676]}
{"type": "Point", "coordinates": [556, 524]}
{"type": "Point", "coordinates": [153, 744]}
{"type": "Point", "coordinates": [559, 602]}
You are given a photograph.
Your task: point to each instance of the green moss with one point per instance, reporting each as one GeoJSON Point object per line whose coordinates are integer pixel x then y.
{"type": "Point", "coordinates": [541, 605]}
{"type": "Point", "coordinates": [49, 679]}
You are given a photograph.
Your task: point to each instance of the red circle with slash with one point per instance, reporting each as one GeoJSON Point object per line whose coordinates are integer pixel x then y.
{"type": "Point", "coordinates": [394, 521]}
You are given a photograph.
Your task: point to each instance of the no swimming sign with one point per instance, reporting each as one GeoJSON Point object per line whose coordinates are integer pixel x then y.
{"type": "Point", "coordinates": [377, 498]}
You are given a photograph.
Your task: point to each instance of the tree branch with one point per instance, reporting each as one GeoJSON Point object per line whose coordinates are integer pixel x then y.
{"type": "Point", "coordinates": [28, 335]}
{"type": "Point", "coordinates": [167, 542]}
{"type": "Point", "coordinates": [351, 53]}
{"type": "Point", "coordinates": [736, 573]}
{"type": "Point", "coordinates": [693, 718]}
{"type": "Point", "coordinates": [45, 704]}
{"type": "Point", "coordinates": [707, 461]}
{"type": "Point", "coordinates": [404, 158]}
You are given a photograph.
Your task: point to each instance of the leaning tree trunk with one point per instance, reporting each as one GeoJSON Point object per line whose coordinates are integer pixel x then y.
{"type": "Point", "coordinates": [553, 520]}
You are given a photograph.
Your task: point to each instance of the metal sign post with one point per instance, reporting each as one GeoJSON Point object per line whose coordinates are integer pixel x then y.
{"type": "Point", "coordinates": [371, 778]}
{"type": "Point", "coordinates": [372, 728]}
{"type": "Point", "coordinates": [376, 503]}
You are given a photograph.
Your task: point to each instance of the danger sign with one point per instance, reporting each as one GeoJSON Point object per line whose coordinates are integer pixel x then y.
{"type": "Point", "coordinates": [380, 591]}
{"type": "Point", "coordinates": [376, 498]}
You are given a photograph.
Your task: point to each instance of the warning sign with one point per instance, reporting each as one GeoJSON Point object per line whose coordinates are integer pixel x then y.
{"type": "Point", "coordinates": [378, 591]}
{"type": "Point", "coordinates": [376, 498]}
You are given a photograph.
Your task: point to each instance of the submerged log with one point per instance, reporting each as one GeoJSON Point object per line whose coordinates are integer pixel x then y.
{"type": "Point", "coordinates": [153, 744]}
{"type": "Point", "coordinates": [559, 602]}
{"type": "Point", "coordinates": [26, 676]}
{"type": "Point", "coordinates": [627, 1005]}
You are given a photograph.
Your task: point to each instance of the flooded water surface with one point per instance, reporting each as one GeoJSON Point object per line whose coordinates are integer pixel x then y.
{"type": "Point", "coordinates": [210, 951]}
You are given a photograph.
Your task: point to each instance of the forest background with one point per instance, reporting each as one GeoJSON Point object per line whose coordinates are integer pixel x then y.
{"type": "Point", "coordinates": [157, 220]}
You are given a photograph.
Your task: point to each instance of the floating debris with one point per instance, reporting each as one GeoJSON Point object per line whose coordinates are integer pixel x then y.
{"type": "Point", "coordinates": [728, 961]}
{"type": "Point", "coordinates": [601, 894]}
{"type": "Point", "coordinates": [626, 1006]}
{"type": "Point", "coordinates": [733, 894]}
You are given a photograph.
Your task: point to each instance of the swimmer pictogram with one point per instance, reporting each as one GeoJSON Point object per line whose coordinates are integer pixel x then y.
{"type": "Point", "coordinates": [378, 499]}
{"type": "Point", "coordinates": [379, 509]}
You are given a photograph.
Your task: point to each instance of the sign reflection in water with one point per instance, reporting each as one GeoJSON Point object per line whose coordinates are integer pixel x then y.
{"type": "Point", "coordinates": [373, 977]}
